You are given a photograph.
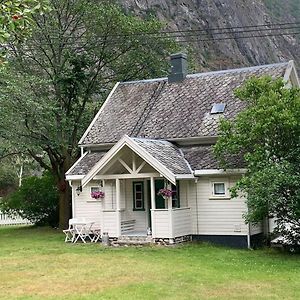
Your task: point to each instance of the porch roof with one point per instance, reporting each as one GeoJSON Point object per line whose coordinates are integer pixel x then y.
{"type": "Point", "coordinates": [85, 163]}
{"type": "Point", "coordinates": [182, 160]}
{"type": "Point", "coordinates": [161, 155]}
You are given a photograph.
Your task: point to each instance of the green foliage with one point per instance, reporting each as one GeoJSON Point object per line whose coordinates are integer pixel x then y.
{"type": "Point", "coordinates": [8, 179]}
{"type": "Point", "coordinates": [268, 135]}
{"type": "Point", "coordinates": [16, 20]}
{"type": "Point", "coordinates": [36, 200]}
{"type": "Point", "coordinates": [60, 76]}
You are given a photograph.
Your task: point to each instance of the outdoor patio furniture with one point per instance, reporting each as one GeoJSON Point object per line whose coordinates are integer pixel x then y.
{"type": "Point", "coordinates": [82, 231]}
{"type": "Point", "coordinates": [96, 233]}
{"type": "Point", "coordinates": [70, 231]}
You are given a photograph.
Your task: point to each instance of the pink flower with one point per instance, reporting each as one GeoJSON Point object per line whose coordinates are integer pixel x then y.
{"type": "Point", "coordinates": [165, 193]}
{"type": "Point", "coordinates": [97, 195]}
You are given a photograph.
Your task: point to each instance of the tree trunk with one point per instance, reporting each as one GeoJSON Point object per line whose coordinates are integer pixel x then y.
{"type": "Point", "coordinates": [65, 202]}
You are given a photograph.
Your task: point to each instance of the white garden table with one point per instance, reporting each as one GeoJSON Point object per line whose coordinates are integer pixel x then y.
{"type": "Point", "coordinates": [82, 230]}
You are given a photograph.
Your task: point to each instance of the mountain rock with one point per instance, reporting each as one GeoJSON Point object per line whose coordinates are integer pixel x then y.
{"type": "Point", "coordinates": [234, 50]}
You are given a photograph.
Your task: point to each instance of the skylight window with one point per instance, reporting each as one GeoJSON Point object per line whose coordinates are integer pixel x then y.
{"type": "Point", "coordinates": [218, 108]}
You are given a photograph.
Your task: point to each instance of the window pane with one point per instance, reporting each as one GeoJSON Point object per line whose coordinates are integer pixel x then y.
{"type": "Point", "coordinates": [94, 189]}
{"type": "Point", "coordinates": [175, 195]}
{"type": "Point", "coordinates": [219, 188]}
{"type": "Point", "coordinates": [138, 195]}
{"type": "Point", "coordinates": [138, 187]}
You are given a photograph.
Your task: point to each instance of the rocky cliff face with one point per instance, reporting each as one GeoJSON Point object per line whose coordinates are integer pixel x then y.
{"type": "Point", "coordinates": [228, 53]}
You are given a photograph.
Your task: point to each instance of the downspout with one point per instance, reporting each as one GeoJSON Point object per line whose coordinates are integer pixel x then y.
{"type": "Point", "coordinates": [197, 212]}
{"type": "Point", "coordinates": [249, 237]}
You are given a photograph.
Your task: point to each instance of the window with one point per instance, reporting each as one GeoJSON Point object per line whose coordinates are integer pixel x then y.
{"type": "Point", "coordinates": [138, 196]}
{"type": "Point", "coordinates": [175, 195]}
{"type": "Point", "coordinates": [95, 189]}
{"type": "Point", "coordinates": [218, 108]}
{"type": "Point", "coordinates": [219, 190]}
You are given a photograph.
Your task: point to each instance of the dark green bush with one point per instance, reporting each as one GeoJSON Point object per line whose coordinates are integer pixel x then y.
{"type": "Point", "coordinates": [36, 200]}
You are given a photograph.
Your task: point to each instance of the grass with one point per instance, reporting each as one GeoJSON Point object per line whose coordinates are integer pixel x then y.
{"type": "Point", "coordinates": [35, 263]}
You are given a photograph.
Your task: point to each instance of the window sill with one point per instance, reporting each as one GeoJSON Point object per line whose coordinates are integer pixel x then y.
{"type": "Point", "coordinates": [219, 198]}
{"type": "Point", "coordinates": [138, 209]}
{"type": "Point", "coordinates": [94, 200]}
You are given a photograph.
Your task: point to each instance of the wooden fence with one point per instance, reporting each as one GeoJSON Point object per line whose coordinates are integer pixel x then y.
{"type": "Point", "coordinates": [6, 220]}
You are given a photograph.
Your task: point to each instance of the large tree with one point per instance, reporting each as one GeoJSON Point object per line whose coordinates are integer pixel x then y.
{"type": "Point", "coordinates": [267, 133]}
{"type": "Point", "coordinates": [60, 76]}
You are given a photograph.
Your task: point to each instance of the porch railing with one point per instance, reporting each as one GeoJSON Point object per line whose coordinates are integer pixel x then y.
{"type": "Point", "coordinates": [171, 223]}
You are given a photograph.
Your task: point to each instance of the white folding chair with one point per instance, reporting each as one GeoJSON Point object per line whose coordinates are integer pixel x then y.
{"type": "Point", "coordinates": [70, 231]}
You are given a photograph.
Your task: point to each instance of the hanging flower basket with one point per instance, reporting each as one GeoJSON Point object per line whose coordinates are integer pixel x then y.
{"type": "Point", "coordinates": [97, 195]}
{"type": "Point", "coordinates": [166, 193]}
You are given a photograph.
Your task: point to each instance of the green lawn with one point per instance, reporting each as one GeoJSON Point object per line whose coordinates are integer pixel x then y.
{"type": "Point", "coordinates": [35, 263]}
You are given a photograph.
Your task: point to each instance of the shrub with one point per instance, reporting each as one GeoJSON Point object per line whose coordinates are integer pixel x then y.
{"type": "Point", "coordinates": [36, 200]}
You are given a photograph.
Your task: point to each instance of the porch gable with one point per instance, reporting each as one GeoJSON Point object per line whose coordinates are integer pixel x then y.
{"type": "Point", "coordinates": [140, 157]}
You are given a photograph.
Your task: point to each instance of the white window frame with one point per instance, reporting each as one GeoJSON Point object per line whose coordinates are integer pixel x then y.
{"type": "Point", "coordinates": [214, 196]}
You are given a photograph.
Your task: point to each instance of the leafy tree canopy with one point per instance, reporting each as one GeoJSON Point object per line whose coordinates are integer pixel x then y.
{"type": "Point", "coordinates": [268, 135]}
{"type": "Point", "coordinates": [16, 20]}
{"type": "Point", "coordinates": [59, 77]}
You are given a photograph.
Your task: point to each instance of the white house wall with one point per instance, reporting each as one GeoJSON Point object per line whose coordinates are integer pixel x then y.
{"type": "Point", "coordinates": [215, 217]}
{"type": "Point", "coordinates": [85, 206]}
{"type": "Point", "coordinates": [208, 217]}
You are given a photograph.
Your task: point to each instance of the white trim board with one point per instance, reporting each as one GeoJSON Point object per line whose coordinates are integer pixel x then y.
{"type": "Point", "coordinates": [219, 172]}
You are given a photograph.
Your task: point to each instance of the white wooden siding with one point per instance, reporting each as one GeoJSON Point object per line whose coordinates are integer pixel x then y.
{"type": "Point", "coordinates": [183, 193]}
{"type": "Point", "coordinates": [181, 219]}
{"type": "Point", "coordinates": [85, 206]}
{"type": "Point", "coordinates": [171, 223]}
{"type": "Point", "coordinates": [216, 217]}
{"type": "Point", "coordinates": [161, 227]}
{"type": "Point", "coordinates": [110, 223]}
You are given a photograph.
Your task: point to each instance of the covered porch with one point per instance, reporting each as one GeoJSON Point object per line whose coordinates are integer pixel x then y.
{"type": "Point", "coordinates": [131, 179]}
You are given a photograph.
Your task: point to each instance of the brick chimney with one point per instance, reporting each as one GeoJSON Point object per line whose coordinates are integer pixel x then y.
{"type": "Point", "coordinates": [178, 67]}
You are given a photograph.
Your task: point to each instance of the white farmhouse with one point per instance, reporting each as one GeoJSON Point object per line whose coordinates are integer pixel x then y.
{"type": "Point", "coordinates": [158, 134]}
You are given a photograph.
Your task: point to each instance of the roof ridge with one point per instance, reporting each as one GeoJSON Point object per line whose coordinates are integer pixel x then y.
{"type": "Point", "coordinates": [199, 74]}
{"type": "Point", "coordinates": [237, 70]}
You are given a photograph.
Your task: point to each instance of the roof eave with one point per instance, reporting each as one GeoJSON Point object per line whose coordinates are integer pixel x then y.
{"type": "Point", "coordinates": [205, 172]}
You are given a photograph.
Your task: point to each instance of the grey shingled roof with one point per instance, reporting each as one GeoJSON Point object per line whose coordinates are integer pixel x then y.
{"type": "Point", "coordinates": [202, 157]}
{"type": "Point", "coordinates": [84, 165]}
{"type": "Point", "coordinates": [161, 110]}
{"type": "Point", "coordinates": [166, 153]}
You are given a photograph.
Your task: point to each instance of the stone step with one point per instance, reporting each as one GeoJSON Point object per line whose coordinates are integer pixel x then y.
{"type": "Point", "coordinates": [132, 243]}
{"type": "Point", "coordinates": [134, 239]}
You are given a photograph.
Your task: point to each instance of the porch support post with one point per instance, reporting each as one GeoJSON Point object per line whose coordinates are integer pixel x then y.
{"type": "Point", "coordinates": [170, 213]}
{"type": "Point", "coordinates": [152, 193]}
{"type": "Point", "coordinates": [118, 206]}
{"type": "Point", "coordinates": [153, 207]}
